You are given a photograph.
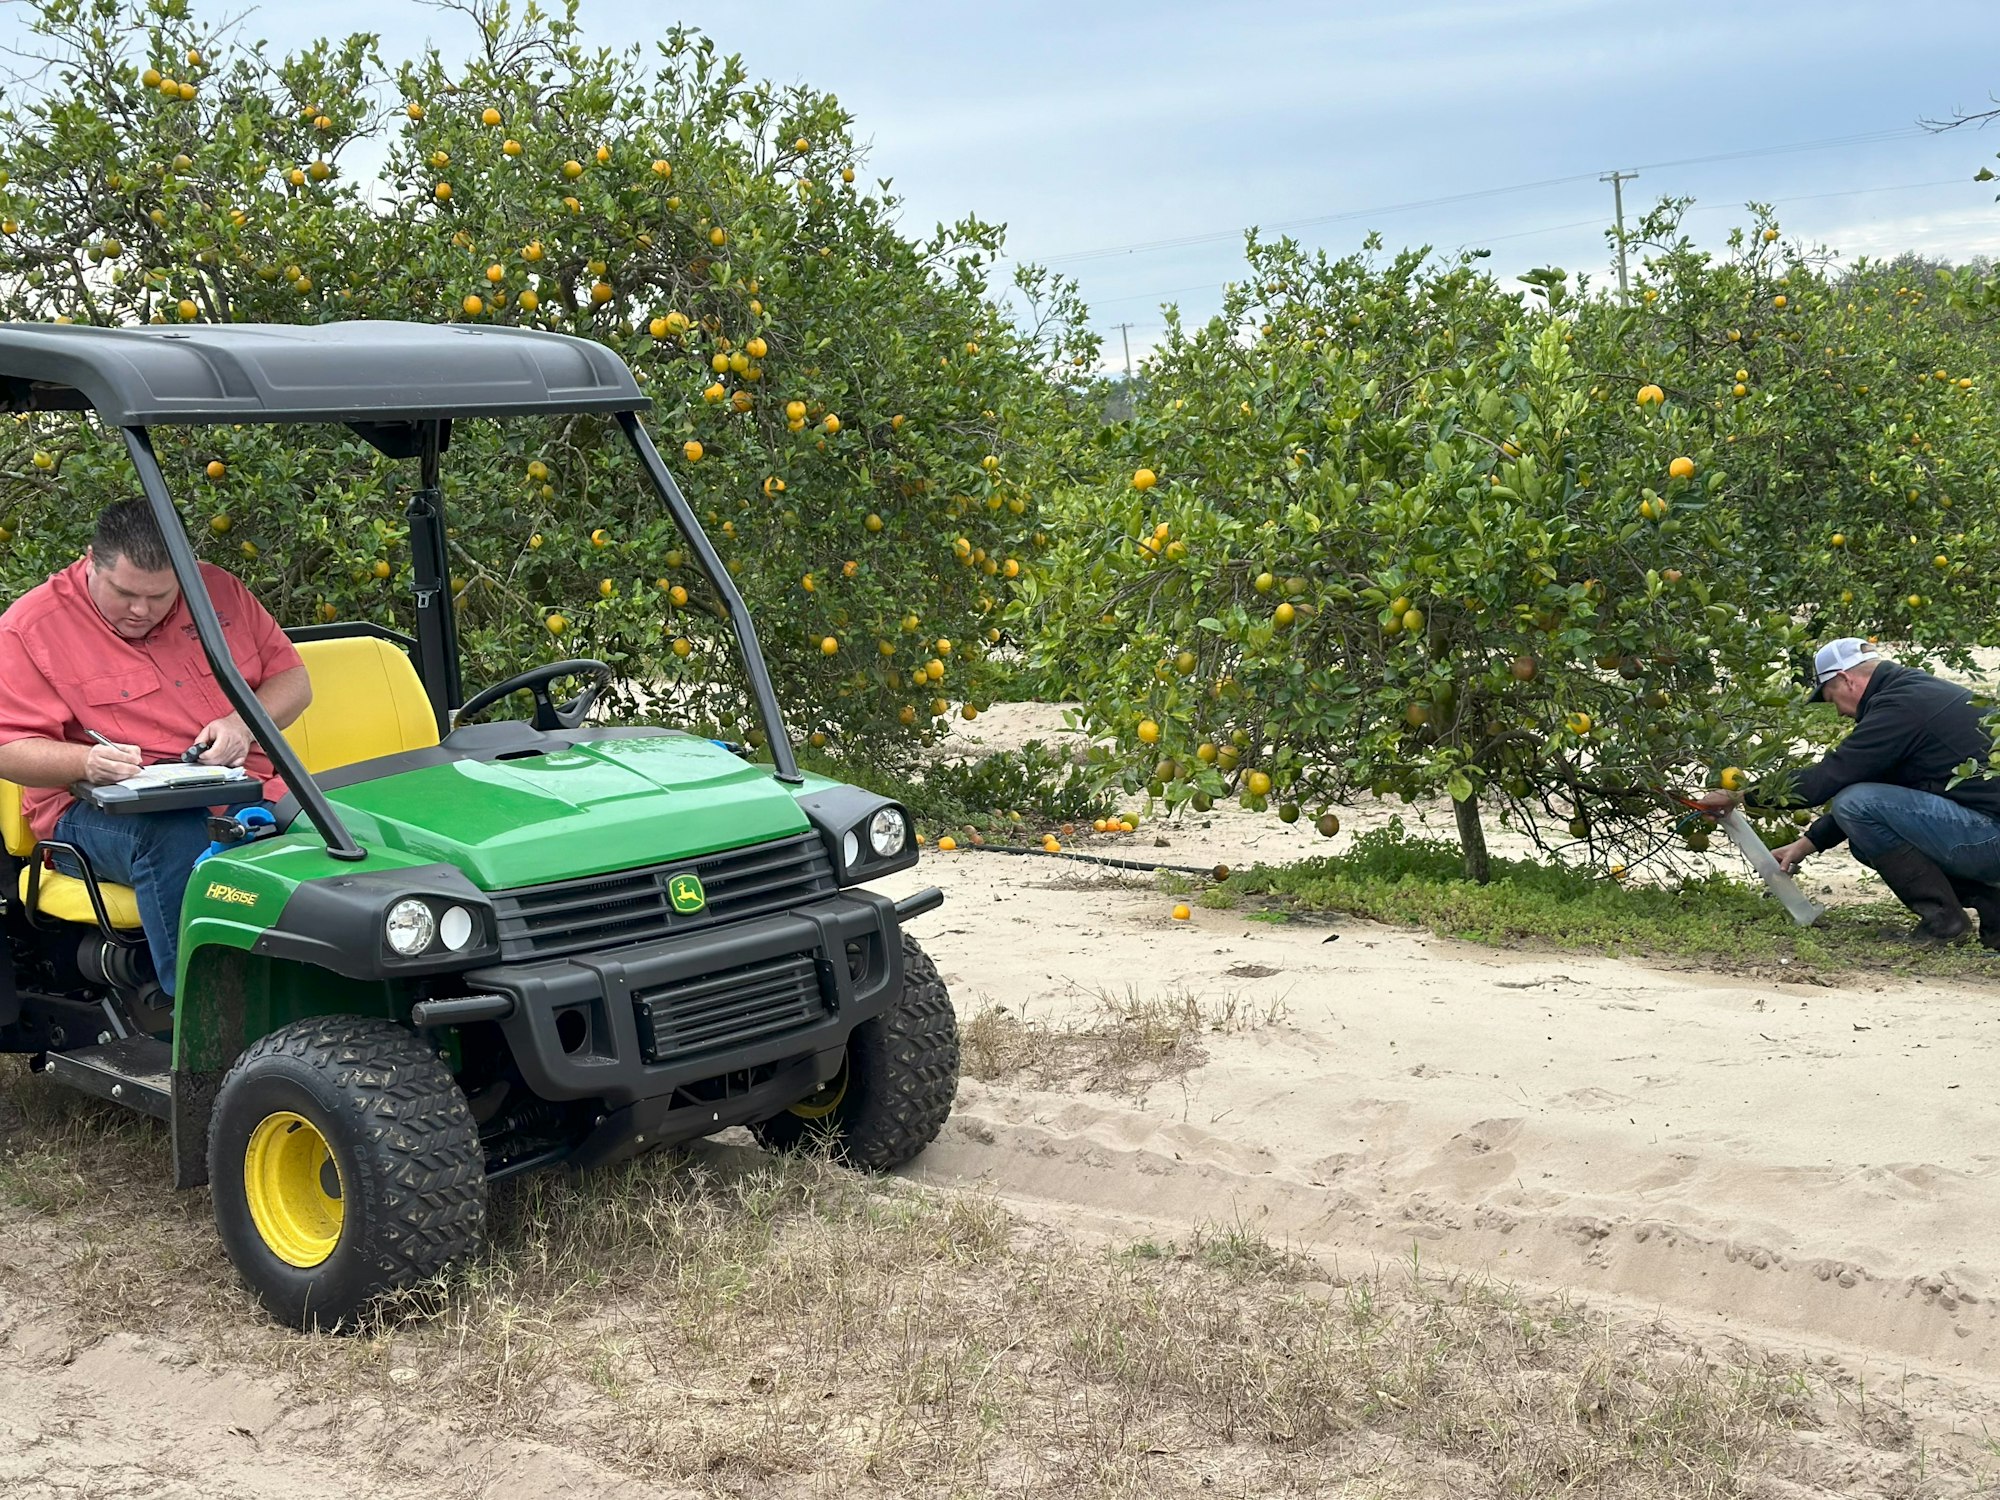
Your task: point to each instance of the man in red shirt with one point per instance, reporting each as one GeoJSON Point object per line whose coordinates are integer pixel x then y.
{"type": "Point", "coordinates": [108, 645]}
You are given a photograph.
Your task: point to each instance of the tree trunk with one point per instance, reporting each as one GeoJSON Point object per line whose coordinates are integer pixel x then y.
{"type": "Point", "coordinates": [1472, 841]}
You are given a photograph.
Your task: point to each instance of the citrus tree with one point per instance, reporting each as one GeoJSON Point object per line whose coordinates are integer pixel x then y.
{"type": "Point", "coordinates": [1382, 525]}
{"type": "Point", "coordinates": [1855, 410]}
{"type": "Point", "coordinates": [862, 428]}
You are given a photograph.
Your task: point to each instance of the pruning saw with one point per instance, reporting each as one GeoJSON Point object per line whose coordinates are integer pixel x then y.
{"type": "Point", "coordinates": [1805, 911]}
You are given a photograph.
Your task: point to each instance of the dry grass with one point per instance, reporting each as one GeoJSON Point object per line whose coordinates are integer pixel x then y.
{"type": "Point", "coordinates": [743, 1325]}
{"type": "Point", "coordinates": [1127, 1044]}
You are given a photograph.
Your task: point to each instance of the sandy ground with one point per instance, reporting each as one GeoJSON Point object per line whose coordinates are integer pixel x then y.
{"type": "Point", "coordinates": [1798, 1163]}
{"type": "Point", "coordinates": [1802, 1167]}
{"type": "Point", "coordinates": [126, 1418]}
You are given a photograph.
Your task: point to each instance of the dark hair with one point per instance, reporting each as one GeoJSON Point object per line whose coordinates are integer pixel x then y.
{"type": "Point", "coordinates": [128, 530]}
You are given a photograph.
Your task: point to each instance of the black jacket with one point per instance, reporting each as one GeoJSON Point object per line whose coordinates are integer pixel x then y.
{"type": "Point", "coordinates": [1910, 729]}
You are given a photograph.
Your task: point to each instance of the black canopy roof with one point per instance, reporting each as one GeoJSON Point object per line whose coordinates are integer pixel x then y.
{"type": "Point", "coordinates": [365, 372]}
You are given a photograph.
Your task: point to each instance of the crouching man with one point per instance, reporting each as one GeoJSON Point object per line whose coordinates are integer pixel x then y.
{"type": "Point", "coordinates": [1888, 789]}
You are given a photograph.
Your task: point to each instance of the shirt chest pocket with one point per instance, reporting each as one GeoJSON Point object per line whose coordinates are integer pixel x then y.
{"type": "Point", "coordinates": [124, 705]}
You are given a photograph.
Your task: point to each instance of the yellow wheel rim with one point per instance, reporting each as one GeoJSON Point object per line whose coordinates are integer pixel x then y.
{"type": "Point", "coordinates": [292, 1183]}
{"type": "Point", "coordinates": [825, 1099]}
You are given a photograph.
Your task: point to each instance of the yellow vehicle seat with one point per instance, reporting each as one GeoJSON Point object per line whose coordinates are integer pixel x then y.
{"type": "Point", "coordinates": [367, 701]}
{"type": "Point", "coordinates": [63, 897]}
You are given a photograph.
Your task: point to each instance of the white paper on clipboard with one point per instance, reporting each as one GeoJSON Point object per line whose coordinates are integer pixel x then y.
{"type": "Point", "coordinates": [176, 774]}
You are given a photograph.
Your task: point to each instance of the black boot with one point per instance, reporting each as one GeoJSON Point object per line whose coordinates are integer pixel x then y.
{"type": "Point", "coordinates": [1984, 899]}
{"type": "Point", "coordinates": [1927, 891]}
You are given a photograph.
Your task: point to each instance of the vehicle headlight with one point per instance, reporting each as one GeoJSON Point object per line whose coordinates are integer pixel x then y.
{"type": "Point", "coordinates": [410, 927]}
{"type": "Point", "coordinates": [455, 927]}
{"type": "Point", "coordinates": [887, 832]}
{"type": "Point", "coordinates": [850, 850]}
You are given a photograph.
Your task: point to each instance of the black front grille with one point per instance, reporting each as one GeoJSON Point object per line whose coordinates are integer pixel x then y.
{"type": "Point", "coordinates": [631, 906]}
{"type": "Point", "coordinates": [729, 1008]}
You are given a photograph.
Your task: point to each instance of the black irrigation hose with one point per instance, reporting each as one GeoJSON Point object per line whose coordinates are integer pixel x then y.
{"type": "Point", "coordinates": [1206, 872]}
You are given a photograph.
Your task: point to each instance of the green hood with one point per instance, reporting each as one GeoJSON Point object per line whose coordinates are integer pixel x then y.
{"type": "Point", "coordinates": [602, 805]}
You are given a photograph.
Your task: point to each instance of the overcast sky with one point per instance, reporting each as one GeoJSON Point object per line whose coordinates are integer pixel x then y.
{"type": "Point", "coordinates": [1107, 125]}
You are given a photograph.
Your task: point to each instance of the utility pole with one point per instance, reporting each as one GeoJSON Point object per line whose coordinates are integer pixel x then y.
{"type": "Point", "coordinates": [1131, 404]}
{"type": "Point", "coordinates": [1618, 181]}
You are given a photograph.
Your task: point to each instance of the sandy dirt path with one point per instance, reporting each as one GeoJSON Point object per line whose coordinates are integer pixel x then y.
{"type": "Point", "coordinates": [1813, 1163]}
{"type": "Point", "coordinates": [1818, 1162]}
{"type": "Point", "coordinates": [130, 1418]}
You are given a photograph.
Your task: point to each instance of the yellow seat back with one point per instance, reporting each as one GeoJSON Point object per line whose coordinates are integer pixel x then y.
{"type": "Point", "coordinates": [367, 701]}
{"type": "Point", "coordinates": [15, 833]}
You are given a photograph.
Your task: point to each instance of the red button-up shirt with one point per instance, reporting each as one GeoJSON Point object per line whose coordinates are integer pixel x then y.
{"type": "Point", "coordinates": [63, 670]}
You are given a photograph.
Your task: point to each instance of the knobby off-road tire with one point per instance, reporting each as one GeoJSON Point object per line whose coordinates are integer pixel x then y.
{"type": "Point", "coordinates": [892, 1097]}
{"type": "Point", "coordinates": [345, 1165]}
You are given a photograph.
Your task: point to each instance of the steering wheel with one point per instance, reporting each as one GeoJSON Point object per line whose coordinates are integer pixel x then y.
{"type": "Point", "coordinates": [549, 715]}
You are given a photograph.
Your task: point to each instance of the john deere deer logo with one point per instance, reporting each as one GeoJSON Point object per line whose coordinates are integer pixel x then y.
{"type": "Point", "coordinates": [686, 893]}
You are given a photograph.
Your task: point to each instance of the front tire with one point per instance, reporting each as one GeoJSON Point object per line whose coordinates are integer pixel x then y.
{"type": "Point", "coordinates": [895, 1087]}
{"type": "Point", "coordinates": [345, 1166]}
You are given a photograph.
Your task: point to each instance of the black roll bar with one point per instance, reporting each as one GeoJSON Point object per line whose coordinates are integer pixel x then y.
{"type": "Point", "coordinates": [783, 762]}
{"type": "Point", "coordinates": [437, 629]}
{"type": "Point", "coordinates": [347, 630]}
{"type": "Point", "coordinates": [339, 842]}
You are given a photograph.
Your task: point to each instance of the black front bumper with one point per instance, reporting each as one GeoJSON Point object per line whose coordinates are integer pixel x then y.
{"type": "Point", "coordinates": [661, 1023]}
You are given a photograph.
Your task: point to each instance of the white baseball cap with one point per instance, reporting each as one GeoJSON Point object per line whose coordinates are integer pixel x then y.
{"type": "Point", "coordinates": [1836, 657]}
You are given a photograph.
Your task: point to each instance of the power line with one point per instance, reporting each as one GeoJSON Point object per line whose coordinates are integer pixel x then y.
{"type": "Point", "coordinates": [1866, 138]}
{"type": "Point", "coordinates": [1715, 208]}
{"type": "Point", "coordinates": [1523, 234]}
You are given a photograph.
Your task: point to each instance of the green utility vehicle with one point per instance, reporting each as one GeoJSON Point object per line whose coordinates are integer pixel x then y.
{"type": "Point", "coordinates": [462, 950]}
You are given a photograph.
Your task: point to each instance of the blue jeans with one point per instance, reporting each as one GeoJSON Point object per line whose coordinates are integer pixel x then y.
{"type": "Point", "coordinates": [154, 853]}
{"type": "Point", "coordinates": [1960, 841]}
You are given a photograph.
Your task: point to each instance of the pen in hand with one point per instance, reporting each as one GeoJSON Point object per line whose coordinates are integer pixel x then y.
{"type": "Point", "coordinates": [111, 744]}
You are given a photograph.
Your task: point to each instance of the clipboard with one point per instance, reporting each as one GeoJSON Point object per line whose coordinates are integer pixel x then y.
{"type": "Point", "coordinates": [168, 793]}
